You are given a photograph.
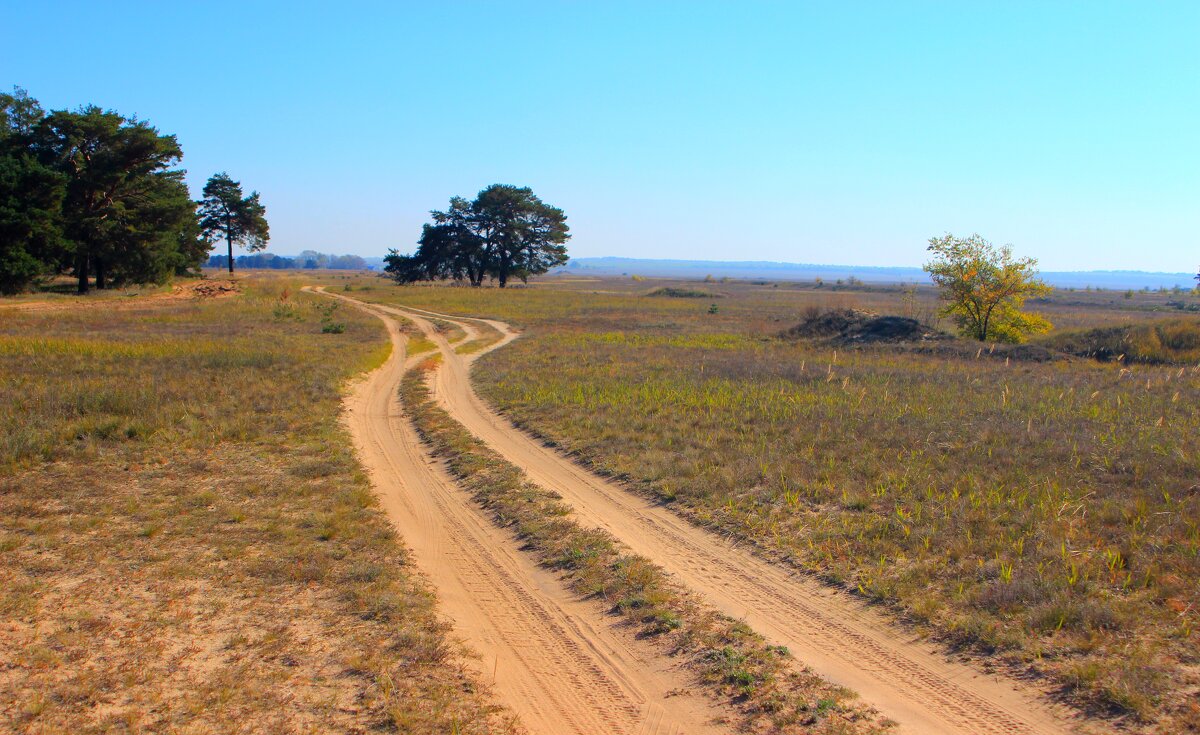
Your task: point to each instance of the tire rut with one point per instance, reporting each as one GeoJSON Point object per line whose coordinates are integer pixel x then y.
{"type": "Point", "coordinates": [557, 662]}
{"type": "Point", "coordinates": [840, 638]}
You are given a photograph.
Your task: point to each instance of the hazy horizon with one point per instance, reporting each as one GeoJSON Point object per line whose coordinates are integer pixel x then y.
{"type": "Point", "coordinates": [798, 133]}
{"type": "Point", "coordinates": [828, 264]}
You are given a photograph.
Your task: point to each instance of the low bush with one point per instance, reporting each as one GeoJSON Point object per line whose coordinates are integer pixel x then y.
{"type": "Point", "coordinates": [1169, 341]}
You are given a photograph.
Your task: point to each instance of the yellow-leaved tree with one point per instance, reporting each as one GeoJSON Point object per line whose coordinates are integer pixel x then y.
{"type": "Point", "coordinates": [984, 288]}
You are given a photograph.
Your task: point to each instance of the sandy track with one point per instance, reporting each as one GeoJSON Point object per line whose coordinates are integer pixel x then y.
{"type": "Point", "coordinates": [843, 640]}
{"type": "Point", "coordinates": [558, 663]}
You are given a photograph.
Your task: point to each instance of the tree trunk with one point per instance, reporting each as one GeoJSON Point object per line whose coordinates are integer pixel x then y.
{"type": "Point", "coordinates": [81, 270]}
{"type": "Point", "coordinates": [229, 242]}
{"type": "Point", "coordinates": [99, 274]}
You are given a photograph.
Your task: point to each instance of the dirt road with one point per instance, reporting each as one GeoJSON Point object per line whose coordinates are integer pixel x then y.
{"type": "Point", "coordinates": [910, 681]}
{"type": "Point", "coordinates": [558, 663]}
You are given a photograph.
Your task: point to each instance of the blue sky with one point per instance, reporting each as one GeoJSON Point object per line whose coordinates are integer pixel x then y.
{"type": "Point", "coordinates": [804, 132]}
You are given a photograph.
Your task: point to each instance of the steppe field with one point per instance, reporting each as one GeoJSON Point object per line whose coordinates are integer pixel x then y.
{"type": "Point", "coordinates": [188, 543]}
{"type": "Point", "coordinates": [323, 502]}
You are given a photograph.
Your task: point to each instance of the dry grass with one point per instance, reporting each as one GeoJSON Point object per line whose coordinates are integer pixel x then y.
{"type": "Point", "coordinates": [1042, 515]}
{"type": "Point", "coordinates": [1168, 341]}
{"type": "Point", "coordinates": [735, 663]}
{"type": "Point", "coordinates": [187, 543]}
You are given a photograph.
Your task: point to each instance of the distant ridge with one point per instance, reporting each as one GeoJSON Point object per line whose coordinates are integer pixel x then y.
{"type": "Point", "coordinates": [761, 269]}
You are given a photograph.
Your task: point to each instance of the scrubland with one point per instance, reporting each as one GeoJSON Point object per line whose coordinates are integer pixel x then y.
{"type": "Point", "coordinates": [1042, 516]}
{"type": "Point", "coordinates": [187, 543]}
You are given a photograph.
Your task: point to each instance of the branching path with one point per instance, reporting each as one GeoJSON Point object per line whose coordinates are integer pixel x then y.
{"type": "Point", "coordinates": [558, 663]}
{"type": "Point", "coordinates": [908, 680]}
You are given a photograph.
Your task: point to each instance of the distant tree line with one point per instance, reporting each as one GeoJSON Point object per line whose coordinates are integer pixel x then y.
{"type": "Point", "coordinates": [92, 193]}
{"type": "Point", "coordinates": [505, 232]}
{"type": "Point", "coordinates": [307, 259]}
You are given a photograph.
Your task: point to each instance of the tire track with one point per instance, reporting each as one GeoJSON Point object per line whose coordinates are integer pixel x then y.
{"type": "Point", "coordinates": [909, 680]}
{"type": "Point", "coordinates": [553, 659]}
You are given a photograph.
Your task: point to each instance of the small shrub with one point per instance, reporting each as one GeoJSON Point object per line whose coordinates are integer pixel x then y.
{"type": "Point", "coordinates": [683, 293]}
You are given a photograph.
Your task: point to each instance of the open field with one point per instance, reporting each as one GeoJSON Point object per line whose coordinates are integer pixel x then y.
{"type": "Point", "coordinates": [187, 543]}
{"type": "Point", "coordinates": [176, 476]}
{"type": "Point", "coordinates": [1040, 515]}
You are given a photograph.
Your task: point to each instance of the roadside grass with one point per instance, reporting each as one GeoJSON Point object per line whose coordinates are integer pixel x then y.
{"type": "Point", "coordinates": [449, 330]}
{"type": "Point", "coordinates": [725, 655]}
{"type": "Point", "coordinates": [1044, 516]}
{"type": "Point", "coordinates": [187, 542]}
{"type": "Point", "coordinates": [475, 345]}
{"type": "Point", "coordinates": [488, 336]}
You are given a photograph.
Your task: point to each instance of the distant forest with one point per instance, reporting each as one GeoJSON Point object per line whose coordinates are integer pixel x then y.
{"type": "Point", "coordinates": [309, 259]}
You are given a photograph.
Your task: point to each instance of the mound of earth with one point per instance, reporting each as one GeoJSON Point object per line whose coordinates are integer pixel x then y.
{"type": "Point", "coordinates": [967, 350]}
{"type": "Point", "coordinates": [852, 326]}
{"type": "Point", "coordinates": [205, 289]}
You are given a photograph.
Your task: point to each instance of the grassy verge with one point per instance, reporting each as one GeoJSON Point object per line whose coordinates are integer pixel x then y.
{"type": "Point", "coordinates": [187, 543]}
{"type": "Point", "coordinates": [728, 657]}
{"type": "Point", "coordinates": [451, 331]}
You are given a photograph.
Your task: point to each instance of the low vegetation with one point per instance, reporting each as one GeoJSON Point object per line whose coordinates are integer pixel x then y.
{"type": "Point", "coordinates": [725, 654]}
{"type": "Point", "coordinates": [187, 543]}
{"type": "Point", "coordinates": [676, 292]}
{"type": "Point", "coordinates": [1169, 341]}
{"type": "Point", "coordinates": [1041, 513]}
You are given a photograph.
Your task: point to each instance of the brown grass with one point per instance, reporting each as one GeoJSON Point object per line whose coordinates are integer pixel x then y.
{"type": "Point", "coordinates": [187, 543]}
{"type": "Point", "coordinates": [1042, 515]}
{"type": "Point", "coordinates": [736, 664]}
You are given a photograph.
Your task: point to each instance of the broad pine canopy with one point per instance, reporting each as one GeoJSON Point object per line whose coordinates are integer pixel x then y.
{"type": "Point", "coordinates": [506, 232]}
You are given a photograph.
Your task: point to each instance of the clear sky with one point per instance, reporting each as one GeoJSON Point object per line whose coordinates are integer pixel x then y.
{"type": "Point", "coordinates": [830, 132]}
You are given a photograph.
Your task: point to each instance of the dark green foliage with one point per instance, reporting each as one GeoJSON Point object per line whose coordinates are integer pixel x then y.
{"type": "Point", "coordinates": [30, 234]}
{"type": "Point", "coordinates": [505, 232]}
{"type": "Point", "coordinates": [123, 207]}
{"type": "Point", "coordinates": [30, 193]}
{"type": "Point", "coordinates": [93, 192]}
{"type": "Point", "coordinates": [19, 113]}
{"type": "Point", "coordinates": [227, 215]}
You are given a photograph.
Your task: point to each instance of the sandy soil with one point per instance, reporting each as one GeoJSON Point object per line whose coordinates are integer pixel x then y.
{"type": "Point", "coordinates": [909, 680]}
{"type": "Point", "coordinates": [552, 658]}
